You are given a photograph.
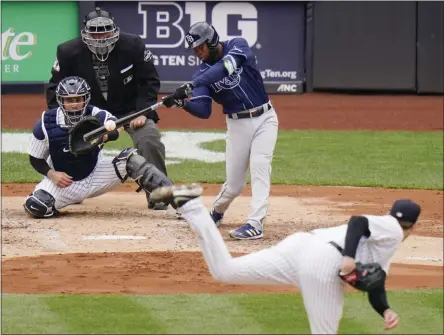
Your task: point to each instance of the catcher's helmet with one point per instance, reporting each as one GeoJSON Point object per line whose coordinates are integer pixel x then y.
{"type": "Point", "coordinates": [68, 92]}
{"type": "Point", "coordinates": [202, 32]}
{"type": "Point", "coordinates": [100, 33]}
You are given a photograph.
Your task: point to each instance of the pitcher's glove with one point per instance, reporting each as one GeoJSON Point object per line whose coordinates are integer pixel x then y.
{"type": "Point", "coordinates": [365, 277]}
{"type": "Point", "coordinates": [77, 145]}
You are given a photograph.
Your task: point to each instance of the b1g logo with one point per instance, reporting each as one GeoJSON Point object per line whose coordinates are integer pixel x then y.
{"type": "Point", "coordinates": [164, 24]}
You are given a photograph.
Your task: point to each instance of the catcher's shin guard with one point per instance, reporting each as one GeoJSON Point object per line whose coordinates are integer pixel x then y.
{"type": "Point", "coordinates": [146, 175]}
{"type": "Point", "coordinates": [40, 204]}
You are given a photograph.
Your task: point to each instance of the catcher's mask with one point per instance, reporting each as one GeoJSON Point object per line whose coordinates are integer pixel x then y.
{"type": "Point", "coordinates": [100, 33]}
{"type": "Point", "coordinates": [73, 95]}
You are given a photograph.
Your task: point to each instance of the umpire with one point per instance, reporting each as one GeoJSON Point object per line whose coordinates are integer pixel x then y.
{"type": "Point", "coordinates": [122, 76]}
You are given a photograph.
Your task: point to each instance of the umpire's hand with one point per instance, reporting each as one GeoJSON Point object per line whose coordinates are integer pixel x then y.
{"type": "Point", "coordinates": [138, 122]}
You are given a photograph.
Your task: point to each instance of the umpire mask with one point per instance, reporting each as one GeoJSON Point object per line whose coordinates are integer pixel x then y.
{"type": "Point", "coordinates": [100, 33]}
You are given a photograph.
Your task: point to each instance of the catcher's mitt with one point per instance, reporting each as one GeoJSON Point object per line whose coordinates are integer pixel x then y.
{"type": "Point", "coordinates": [365, 277]}
{"type": "Point", "coordinates": [77, 145]}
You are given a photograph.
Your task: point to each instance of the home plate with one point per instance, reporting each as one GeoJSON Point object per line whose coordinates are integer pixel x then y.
{"type": "Point", "coordinates": [114, 237]}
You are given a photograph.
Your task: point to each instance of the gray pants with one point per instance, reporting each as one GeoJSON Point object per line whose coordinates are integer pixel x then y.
{"type": "Point", "coordinates": [147, 141]}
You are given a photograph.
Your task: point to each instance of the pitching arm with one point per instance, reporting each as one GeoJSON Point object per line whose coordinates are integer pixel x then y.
{"type": "Point", "coordinates": [378, 300]}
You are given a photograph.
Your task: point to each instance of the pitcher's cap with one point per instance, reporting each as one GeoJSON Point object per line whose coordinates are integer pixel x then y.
{"type": "Point", "coordinates": [405, 210]}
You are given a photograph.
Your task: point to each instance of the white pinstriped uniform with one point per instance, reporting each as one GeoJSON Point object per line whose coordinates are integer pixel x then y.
{"type": "Point", "coordinates": [303, 259]}
{"type": "Point", "coordinates": [102, 180]}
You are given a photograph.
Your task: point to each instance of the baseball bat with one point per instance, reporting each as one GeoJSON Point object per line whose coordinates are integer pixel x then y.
{"type": "Point", "coordinates": [99, 132]}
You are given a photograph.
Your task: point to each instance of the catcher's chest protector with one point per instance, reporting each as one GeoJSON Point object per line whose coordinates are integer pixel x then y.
{"type": "Point", "coordinates": [78, 167]}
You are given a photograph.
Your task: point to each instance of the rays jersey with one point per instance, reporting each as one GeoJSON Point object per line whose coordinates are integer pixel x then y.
{"type": "Point", "coordinates": [243, 89]}
{"type": "Point", "coordinates": [49, 141]}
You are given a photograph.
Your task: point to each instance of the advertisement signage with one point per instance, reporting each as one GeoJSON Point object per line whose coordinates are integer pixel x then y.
{"type": "Point", "coordinates": [274, 30]}
{"type": "Point", "coordinates": [31, 32]}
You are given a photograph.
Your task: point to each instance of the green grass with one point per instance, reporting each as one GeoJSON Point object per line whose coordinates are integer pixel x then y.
{"type": "Point", "coordinates": [364, 158]}
{"type": "Point", "coordinates": [420, 312]}
{"type": "Point", "coordinates": [348, 158]}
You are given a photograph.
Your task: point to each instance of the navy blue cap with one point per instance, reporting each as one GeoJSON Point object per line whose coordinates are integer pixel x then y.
{"type": "Point", "coordinates": [405, 210]}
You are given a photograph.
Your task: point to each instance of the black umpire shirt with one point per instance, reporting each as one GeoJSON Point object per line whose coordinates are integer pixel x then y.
{"type": "Point", "coordinates": [132, 79]}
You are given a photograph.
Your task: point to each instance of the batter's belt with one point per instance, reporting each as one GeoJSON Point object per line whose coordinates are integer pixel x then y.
{"type": "Point", "coordinates": [254, 112]}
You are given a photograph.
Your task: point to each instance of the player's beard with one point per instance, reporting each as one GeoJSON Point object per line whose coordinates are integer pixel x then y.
{"type": "Point", "coordinates": [213, 56]}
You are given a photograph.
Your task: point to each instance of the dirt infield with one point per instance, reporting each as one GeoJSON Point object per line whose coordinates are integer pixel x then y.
{"type": "Point", "coordinates": [304, 111]}
{"type": "Point", "coordinates": [156, 273]}
{"type": "Point", "coordinates": [114, 244]}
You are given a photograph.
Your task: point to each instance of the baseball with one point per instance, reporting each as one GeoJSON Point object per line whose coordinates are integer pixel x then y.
{"type": "Point", "coordinates": [110, 125]}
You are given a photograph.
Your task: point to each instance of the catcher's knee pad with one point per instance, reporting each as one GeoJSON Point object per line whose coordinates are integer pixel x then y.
{"type": "Point", "coordinates": [40, 204]}
{"type": "Point", "coordinates": [146, 175]}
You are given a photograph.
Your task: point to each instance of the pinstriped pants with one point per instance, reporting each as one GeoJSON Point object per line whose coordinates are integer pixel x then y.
{"type": "Point", "coordinates": [102, 180]}
{"type": "Point", "coordinates": [301, 259]}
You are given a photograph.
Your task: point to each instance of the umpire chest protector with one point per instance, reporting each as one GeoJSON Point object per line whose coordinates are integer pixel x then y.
{"type": "Point", "coordinates": [121, 72]}
{"type": "Point", "coordinates": [79, 167]}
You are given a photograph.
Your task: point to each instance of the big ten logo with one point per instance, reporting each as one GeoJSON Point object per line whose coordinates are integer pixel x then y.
{"type": "Point", "coordinates": [165, 23]}
{"type": "Point", "coordinates": [13, 45]}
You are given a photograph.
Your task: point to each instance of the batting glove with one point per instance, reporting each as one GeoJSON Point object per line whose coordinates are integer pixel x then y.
{"type": "Point", "coordinates": [169, 101]}
{"type": "Point", "coordinates": [183, 91]}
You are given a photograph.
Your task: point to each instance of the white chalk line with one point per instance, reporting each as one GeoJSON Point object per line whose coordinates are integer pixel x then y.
{"type": "Point", "coordinates": [424, 258]}
{"type": "Point", "coordinates": [53, 240]}
{"type": "Point", "coordinates": [114, 237]}
{"type": "Point", "coordinates": [179, 146]}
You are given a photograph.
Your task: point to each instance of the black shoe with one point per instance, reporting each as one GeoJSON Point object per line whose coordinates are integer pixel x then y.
{"type": "Point", "coordinates": [159, 206]}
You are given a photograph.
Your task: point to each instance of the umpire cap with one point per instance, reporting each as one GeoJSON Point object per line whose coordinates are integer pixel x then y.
{"type": "Point", "coordinates": [405, 210]}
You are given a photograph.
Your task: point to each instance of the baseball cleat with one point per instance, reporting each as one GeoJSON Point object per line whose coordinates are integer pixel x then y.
{"type": "Point", "coordinates": [157, 206]}
{"type": "Point", "coordinates": [179, 195]}
{"type": "Point", "coordinates": [246, 232]}
{"type": "Point", "coordinates": [217, 217]}
{"type": "Point", "coordinates": [179, 216]}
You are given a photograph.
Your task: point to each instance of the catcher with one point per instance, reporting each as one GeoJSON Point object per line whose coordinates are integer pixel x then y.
{"type": "Point", "coordinates": [320, 262]}
{"type": "Point", "coordinates": [74, 170]}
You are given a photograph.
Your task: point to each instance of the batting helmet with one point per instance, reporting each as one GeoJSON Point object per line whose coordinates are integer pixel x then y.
{"type": "Point", "coordinates": [100, 33]}
{"type": "Point", "coordinates": [202, 32]}
{"type": "Point", "coordinates": [68, 92]}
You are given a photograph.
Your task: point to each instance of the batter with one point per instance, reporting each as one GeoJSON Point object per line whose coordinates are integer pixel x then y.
{"type": "Point", "coordinates": [229, 75]}
{"type": "Point", "coordinates": [312, 261]}
{"type": "Point", "coordinates": [70, 178]}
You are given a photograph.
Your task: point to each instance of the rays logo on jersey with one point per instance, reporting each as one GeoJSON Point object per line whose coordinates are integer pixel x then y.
{"type": "Point", "coordinates": [229, 82]}
{"type": "Point", "coordinates": [165, 23]}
